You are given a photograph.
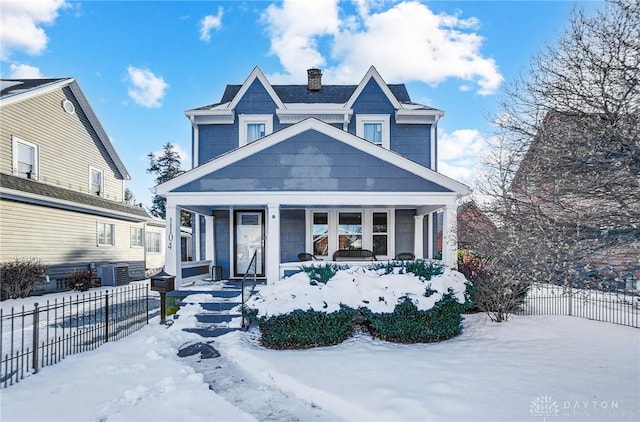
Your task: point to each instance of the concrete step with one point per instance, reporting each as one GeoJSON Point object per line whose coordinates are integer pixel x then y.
{"type": "Point", "coordinates": [211, 331]}
{"type": "Point", "coordinates": [219, 306]}
{"type": "Point", "coordinates": [216, 318]}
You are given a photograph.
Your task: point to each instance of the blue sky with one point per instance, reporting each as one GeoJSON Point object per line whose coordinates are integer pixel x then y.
{"type": "Point", "coordinates": [141, 64]}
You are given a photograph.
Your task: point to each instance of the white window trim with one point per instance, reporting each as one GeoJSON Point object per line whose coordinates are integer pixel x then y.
{"type": "Point", "coordinates": [36, 156]}
{"type": "Point", "coordinates": [142, 237]}
{"type": "Point", "coordinates": [91, 170]}
{"type": "Point", "coordinates": [246, 119]}
{"type": "Point", "coordinates": [113, 235]}
{"type": "Point", "coordinates": [367, 228]}
{"type": "Point", "coordinates": [361, 119]}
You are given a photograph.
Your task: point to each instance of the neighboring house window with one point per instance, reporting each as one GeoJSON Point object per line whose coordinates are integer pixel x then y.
{"type": "Point", "coordinates": [320, 233]}
{"type": "Point", "coordinates": [152, 242]}
{"type": "Point", "coordinates": [25, 159]}
{"type": "Point", "coordinates": [96, 182]}
{"type": "Point", "coordinates": [254, 126]}
{"type": "Point", "coordinates": [137, 236]}
{"type": "Point", "coordinates": [106, 234]}
{"type": "Point", "coordinates": [374, 128]}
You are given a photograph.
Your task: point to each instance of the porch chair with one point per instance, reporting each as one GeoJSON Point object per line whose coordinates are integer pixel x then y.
{"type": "Point", "coordinates": [305, 256]}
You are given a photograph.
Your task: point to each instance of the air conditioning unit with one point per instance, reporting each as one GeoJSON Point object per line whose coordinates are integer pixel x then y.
{"type": "Point", "coordinates": [114, 274]}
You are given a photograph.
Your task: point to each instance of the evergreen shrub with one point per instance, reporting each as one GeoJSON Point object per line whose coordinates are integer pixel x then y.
{"type": "Point", "coordinates": [305, 329]}
{"type": "Point", "coordinates": [322, 273]}
{"type": "Point", "coordinates": [408, 324]}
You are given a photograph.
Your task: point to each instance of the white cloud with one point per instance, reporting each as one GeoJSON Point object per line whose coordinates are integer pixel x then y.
{"type": "Point", "coordinates": [21, 25]}
{"type": "Point", "coordinates": [459, 154]}
{"type": "Point", "coordinates": [406, 42]}
{"type": "Point", "coordinates": [295, 28]}
{"type": "Point", "coordinates": [146, 88]}
{"type": "Point", "coordinates": [209, 23]}
{"type": "Point", "coordinates": [24, 71]}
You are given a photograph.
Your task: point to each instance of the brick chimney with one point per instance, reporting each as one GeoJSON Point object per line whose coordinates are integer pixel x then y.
{"type": "Point", "coordinates": [314, 76]}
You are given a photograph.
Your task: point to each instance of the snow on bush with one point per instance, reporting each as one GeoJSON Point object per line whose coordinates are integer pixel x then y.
{"type": "Point", "coordinates": [356, 287]}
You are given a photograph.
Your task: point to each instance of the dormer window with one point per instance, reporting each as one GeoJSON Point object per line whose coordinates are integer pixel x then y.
{"type": "Point", "coordinates": [96, 182]}
{"type": "Point", "coordinates": [253, 127]}
{"type": "Point", "coordinates": [374, 128]}
{"type": "Point", "coordinates": [25, 158]}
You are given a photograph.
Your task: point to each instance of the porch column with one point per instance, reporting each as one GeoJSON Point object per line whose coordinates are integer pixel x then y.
{"type": "Point", "coordinates": [450, 235]}
{"type": "Point", "coordinates": [273, 243]}
{"type": "Point", "coordinates": [172, 243]}
{"type": "Point", "coordinates": [195, 233]}
{"type": "Point", "coordinates": [209, 246]}
{"type": "Point", "coordinates": [418, 237]}
{"type": "Point", "coordinates": [430, 235]}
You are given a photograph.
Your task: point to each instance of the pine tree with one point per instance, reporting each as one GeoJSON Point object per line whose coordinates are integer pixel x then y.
{"type": "Point", "coordinates": [165, 166]}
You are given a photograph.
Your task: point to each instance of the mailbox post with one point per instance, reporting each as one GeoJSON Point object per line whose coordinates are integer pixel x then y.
{"type": "Point", "coordinates": [163, 283]}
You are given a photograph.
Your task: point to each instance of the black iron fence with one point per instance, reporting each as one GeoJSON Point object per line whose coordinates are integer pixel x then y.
{"type": "Point", "coordinates": [618, 306]}
{"type": "Point", "coordinates": [43, 334]}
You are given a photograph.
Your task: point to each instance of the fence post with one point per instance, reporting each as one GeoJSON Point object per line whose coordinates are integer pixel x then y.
{"type": "Point", "coordinates": [106, 316]}
{"type": "Point", "coordinates": [36, 336]}
{"type": "Point", "coordinates": [570, 300]}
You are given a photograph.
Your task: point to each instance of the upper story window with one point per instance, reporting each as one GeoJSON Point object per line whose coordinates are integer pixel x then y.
{"type": "Point", "coordinates": [96, 182]}
{"type": "Point", "coordinates": [25, 158]}
{"type": "Point", "coordinates": [137, 236]}
{"type": "Point", "coordinates": [374, 128]}
{"type": "Point", "coordinates": [254, 126]}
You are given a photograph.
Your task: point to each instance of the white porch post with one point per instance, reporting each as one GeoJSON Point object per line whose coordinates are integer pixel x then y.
{"type": "Point", "coordinates": [418, 237]}
{"type": "Point", "coordinates": [273, 243]}
{"type": "Point", "coordinates": [450, 235]}
{"type": "Point", "coordinates": [430, 225]}
{"type": "Point", "coordinates": [172, 243]}
{"type": "Point", "coordinates": [195, 232]}
{"type": "Point", "coordinates": [209, 246]}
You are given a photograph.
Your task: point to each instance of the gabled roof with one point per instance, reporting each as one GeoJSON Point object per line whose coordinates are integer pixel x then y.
{"type": "Point", "coordinates": [17, 90]}
{"type": "Point", "coordinates": [19, 188]}
{"type": "Point", "coordinates": [324, 128]}
{"type": "Point", "coordinates": [343, 96]}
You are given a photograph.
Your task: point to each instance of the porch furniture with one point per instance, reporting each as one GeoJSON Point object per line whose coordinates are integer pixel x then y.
{"type": "Point", "coordinates": [305, 256]}
{"type": "Point", "coordinates": [354, 255]}
{"type": "Point", "coordinates": [405, 256]}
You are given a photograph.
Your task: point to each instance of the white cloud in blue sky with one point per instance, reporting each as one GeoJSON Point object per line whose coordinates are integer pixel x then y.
{"type": "Point", "coordinates": [407, 42]}
{"type": "Point", "coordinates": [209, 23]}
{"type": "Point", "coordinates": [24, 71]}
{"type": "Point", "coordinates": [146, 89]}
{"type": "Point", "coordinates": [22, 25]}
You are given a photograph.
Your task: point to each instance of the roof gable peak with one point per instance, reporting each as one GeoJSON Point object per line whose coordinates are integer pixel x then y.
{"type": "Point", "coordinates": [372, 73]}
{"type": "Point", "coordinates": [256, 73]}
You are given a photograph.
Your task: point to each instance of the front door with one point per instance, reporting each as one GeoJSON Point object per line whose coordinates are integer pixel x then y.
{"type": "Point", "coordinates": [249, 238]}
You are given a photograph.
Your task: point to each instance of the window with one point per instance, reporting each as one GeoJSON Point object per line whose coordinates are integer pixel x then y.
{"type": "Point", "coordinates": [96, 182]}
{"type": "Point", "coordinates": [106, 234]}
{"type": "Point", "coordinates": [320, 234]}
{"type": "Point", "coordinates": [349, 230]}
{"type": "Point", "coordinates": [136, 236]}
{"type": "Point", "coordinates": [254, 126]}
{"type": "Point", "coordinates": [374, 128]}
{"type": "Point", "coordinates": [25, 159]}
{"type": "Point", "coordinates": [380, 233]}
{"type": "Point", "coordinates": [152, 242]}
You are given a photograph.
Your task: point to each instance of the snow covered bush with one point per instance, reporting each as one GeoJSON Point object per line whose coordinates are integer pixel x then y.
{"type": "Point", "coordinates": [387, 299]}
{"type": "Point", "coordinates": [19, 277]}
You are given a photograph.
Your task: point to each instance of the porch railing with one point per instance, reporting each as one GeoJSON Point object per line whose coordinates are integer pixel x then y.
{"type": "Point", "coordinates": [248, 273]}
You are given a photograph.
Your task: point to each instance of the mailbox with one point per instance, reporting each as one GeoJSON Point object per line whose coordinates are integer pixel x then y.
{"type": "Point", "coordinates": [163, 282]}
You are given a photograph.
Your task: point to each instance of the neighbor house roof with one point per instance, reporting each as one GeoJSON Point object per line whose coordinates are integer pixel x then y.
{"type": "Point", "coordinates": [21, 189]}
{"type": "Point", "coordinates": [16, 90]}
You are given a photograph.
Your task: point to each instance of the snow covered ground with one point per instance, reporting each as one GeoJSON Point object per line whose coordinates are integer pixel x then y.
{"type": "Point", "coordinates": [551, 368]}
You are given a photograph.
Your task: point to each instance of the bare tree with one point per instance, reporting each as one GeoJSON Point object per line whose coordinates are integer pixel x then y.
{"type": "Point", "coordinates": [564, 172]}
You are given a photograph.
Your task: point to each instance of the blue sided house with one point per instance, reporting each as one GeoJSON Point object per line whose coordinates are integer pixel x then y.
{"type": "Point", "coordinates": [281, 170]}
